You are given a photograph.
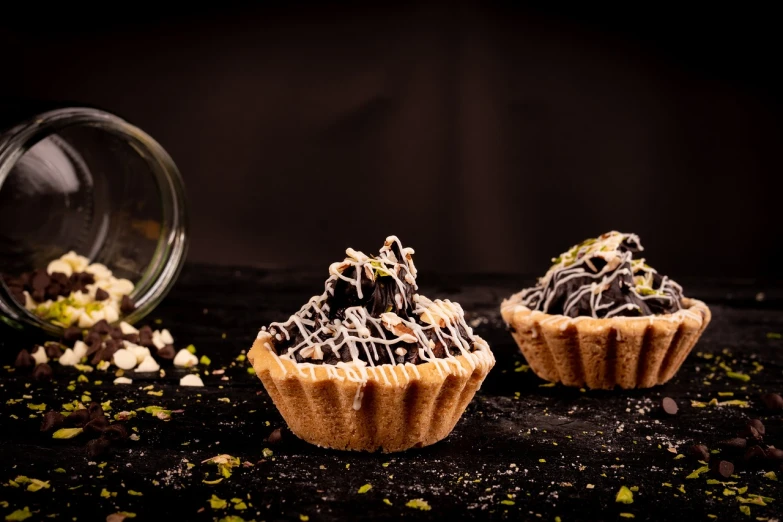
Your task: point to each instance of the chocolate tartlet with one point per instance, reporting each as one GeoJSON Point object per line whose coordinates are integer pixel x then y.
{"type": "Point", "coordinates": [370, 364]}
{"type": "Point", "coordinates": [602, 318]}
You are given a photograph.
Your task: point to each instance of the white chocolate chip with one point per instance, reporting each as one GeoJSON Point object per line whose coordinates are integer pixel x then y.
{"type": "Point", "coordinates": [85, 321]}
{"type": "Point", "coordinates": [29, 304]}
{"type": "Point", "coordinates": [400, 351]}
{"type": "Point", "coordinates": [99, 271]}
{"type": "Point", "coordinates": [120, 287]}
{"type": "Point", "coordinates": [185, 359]}
{"type": "Point", "coordinates": [191, 380]}
{"type": "Point", "coordinates": [80, 349]}
{"type": "Point", "coordinates": [157, 340]}
{"type": "Point", "coordinates": [111, 312]}
{"type": "Point", "coordinates": [125, 359]}
{"type": "Point", "coordinates": [80, 298]}
{"type": "Point", "coordinates": [127, 329]}
{"type": "Point", "coordinates": [122, 380]}
{"type": "Point", "coordinates": [166, 337]}
{"type": "Point", "coordinates": [40, 355]}
{"type": "Point", "coordinates": [140, 352]}
{"type": "Point", "coordinates": [78, 263]}
{"type": "Point", "coordinates": [148, 365]}
{"type": "Point", "coordinates": [68, 358]}
{"type": "Point", "coordinates": [59, 266]}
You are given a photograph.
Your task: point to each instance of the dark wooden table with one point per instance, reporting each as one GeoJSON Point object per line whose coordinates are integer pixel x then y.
{"type": "Point", "coordinates": [523, 450]}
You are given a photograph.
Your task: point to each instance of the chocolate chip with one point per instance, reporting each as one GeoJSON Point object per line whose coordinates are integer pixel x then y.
{"type": "Point", "coordinates": [669, 406]}
{"type": "Point", "coordinates": [127, 305]}
{"type": "Point", "coordinates": [53, 350]}
{"type": "Point", "coordinates": [86, 278]}
{"type": "Point", "coordinates": [40, 280]}
{"type": "Point", "coordinates": [751, 433]}
{"type": "Point", "coordinates": [131, 338]}
{"type": "Point", "coordinates": [38, 295]}
{"type": "Point", "coordinates": [53, 291]}
{"type": "Point", "coordinates": [754, 453]}
{"type": "Point", "coordinates": [736, 443]}
{"type": "Point", "coordinates": [95, 410]}
{"type": "Point", "coordinates": [97, 425]}
{"type": "Point", "coordinates": [112, 345]}
{"type": "Point", "coordinates": [774, 453]}
{"type": "Point", "coordinates": [773, 401]}
{"type": "Point", "coordinates": [43, 372]}
{"type": "Point", "coordinates": [18, 295]}
{"type": "Point", "coordinates": [723, 468]}
{"type": "Point", "coordinates": [72, 334]}
{"type": "Point", "coordinates": [167, 352]}
{"type": "Point", "coordinates": [115, 432]}
{"type": "Point", "coordinates": [700, 452]}
{"type": "Point", "coordinates": [94, 347]}
{"type": "Point", "coordinates": [24, 359]}
{"type": "Point", "coordinates": [145, 336]}
{"type": "Point", "coordinates": [101, 294]}
{"type": "Point", "coordinates": [100, 355]}
{"type": "Point", "coordinates": [52, 420]}
{"type": "Point", "coordinates": [756, 423]}
{"type": "Point", "coordinates": [77, 418]}
{"type": "Point", "coordinates": [115, 333]}
{"type": "Point", "coordinates": [93, 337]}
{"type": "Point", "coordinates": [59, 278]}
{"type": "Point", "coordinates": [102, 327]}
{"type": "Point", "coordinates": [275, 437]}
{"type": "Point", "coordinates": [97, 447]}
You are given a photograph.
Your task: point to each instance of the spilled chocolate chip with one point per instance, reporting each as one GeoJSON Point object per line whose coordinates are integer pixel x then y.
{"type": "Point", "coordinates": [77, 418]}
{"type": "Point", "coordinates": [40, 280]}
{"type": "Point", "coordinates": [774, 453]}
{"type": "Point", "coordinates": [773, 401]}
{"type": "Point", "coordinates": [115, 333]}
{"type": "Point", "coordinates": [43, 372]}
{"type": "Point", "coordinates": [275, 437]}
{"type": "Point", "coordinates": [700, 452]}
{"type": "Point", "coordinates": [167, 352]}
{"type": "Point", "coordinates": [756, 423]}
{"type": "Point", "coordinates": [127, 305]}
{"type": "Point", "coordinates": [131, 338]}
{"type": "Point", "coordinates": [669, 406]}
{"type": "Point", "coordinates": [102, 327]}
{"type": "Point", "coordinates": [145, 336]}
{"type": "Point", "coordinates": [723, 468]}
{"type": "Point", "coordinates": [38, 295]}
{"type": "Point", "coordinates": [101, 294]}
{"type": "Point", "coordinates": [72, 334]}
{"type": "Point", "coordinates": [96, 425]}
{"type": "Point", "coordinates": [52, 420]}
{"type": "Point", "coordinates": [737, 443]}
{"type": "Point", "coordinates": [751, 433]}
{"type": "Point", "coordinates": [95, 410]}
{"type": "Point", "coordinates": [53, 350]}
{"type": "Point", "coordinates": [755, 452]}
{"type": "Point", "coordinates": [93, 337]}
{"type": "Point", "coordinates": [115, 432]}
{"type": "Point", "coordinates": [94, 347]}
{"type": "Point", "coordinates": [97, 447]}
{"type": "Point", "coordinates": [24, 359]}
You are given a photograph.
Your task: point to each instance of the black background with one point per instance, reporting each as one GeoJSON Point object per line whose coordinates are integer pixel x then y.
{"type": "Point", "coordinates": [490, 137]}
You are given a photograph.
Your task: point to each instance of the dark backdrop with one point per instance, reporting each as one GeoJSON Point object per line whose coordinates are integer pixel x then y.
{"type": "Point", "coordinates": [489, 137]}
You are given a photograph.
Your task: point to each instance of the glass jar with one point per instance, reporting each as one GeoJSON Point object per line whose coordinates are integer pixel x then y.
{"type": "Point", "coordinates": [81, 179]}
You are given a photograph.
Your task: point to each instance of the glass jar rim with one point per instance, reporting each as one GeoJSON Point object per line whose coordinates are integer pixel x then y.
{"type": "Point", "coordinates": [170, 253]}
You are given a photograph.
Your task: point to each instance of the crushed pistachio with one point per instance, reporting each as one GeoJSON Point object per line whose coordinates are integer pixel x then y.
{"type": "Point", "coordinates": [19, 514]}
{"type": "Point", "coordinates": [387, 502]}
{"type": "Point", "coordinates": [738, 376]}
{"type": "Point", "coordinates": [418, 503]}
{"type": "Point", "coordinates": [37, 407]}
{"type": "Point", "coordinates": [268, 453]}
{"type": "Point", "coordinates": [67, 433]}
{"type": "Point", "coordinates": [217, 503]}
{"type": "Point", "coordinates": [365, 488]}
{"type": "Point", "coordinates": [697, 472]}
{"type": "Point", "coordinates": [624, 496]}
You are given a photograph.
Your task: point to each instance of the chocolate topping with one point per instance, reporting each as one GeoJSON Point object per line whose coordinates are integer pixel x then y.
{"type": "Point", "coordinates": [370, 312]}
{"type": "Point", "coordinates": [601, 278]}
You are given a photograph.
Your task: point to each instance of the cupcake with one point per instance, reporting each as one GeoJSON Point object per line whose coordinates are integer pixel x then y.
{"type": "Point", "coordinates": [601, 317]}
{"type": "Point", "coordinates": [370, 364]}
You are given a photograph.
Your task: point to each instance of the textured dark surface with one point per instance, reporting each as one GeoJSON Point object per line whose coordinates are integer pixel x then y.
{"type": "Point", "coordinates": [552, 451]}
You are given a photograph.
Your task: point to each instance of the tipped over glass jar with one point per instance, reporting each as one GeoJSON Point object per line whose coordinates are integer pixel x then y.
{"type": "Point", "coordinates": [93, 220]}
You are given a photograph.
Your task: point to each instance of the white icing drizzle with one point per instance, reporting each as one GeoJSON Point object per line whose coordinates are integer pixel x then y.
{"type": "Point", "coordinates": [361, 333]}
{"type": "Point", "coordinates": [578, 262]}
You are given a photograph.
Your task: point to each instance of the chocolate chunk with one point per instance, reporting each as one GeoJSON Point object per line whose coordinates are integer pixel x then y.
{"type": "Point", "coordinates": [101, 294]}
{"type": "Point", "coordinates": [92, 337]}
{"type": "Point", "coordinates": [40, 280]}
{"type": "Point", "coordinates": [115, 432]}
{"type": "Point", "coordinates": [97, 425]}
{"type": "Point", "coordinates": [131, 338]}
{"type": "Point", "coordinates": [77, 418]}
{"type": "Point", "coordinates": [43, 372]}
{"type": "Point", "coordinates": [101, 327]}
{"type": "Point", "coordinates": [127, 305]}
{"type": "Point", "coordinates": [723, 468]}
{"type": "Point", "coordinates": [97, 447]}
{"type": "Point", "coordinates": [773, 401]}
{"type": "Point", "coordinates": [53, 291]}
{"type": "Point", "coordinates": [53, 350]}
{"type": "Point", "coordinates": [751, 433]}
{"type": "Point", "coordinates": [115, 333]}
{"type": "Point", "coordinates": [166, 353]}
{"type": "Point", "coordinates": [38, 296]}
{"type": "Point", "coordinates": [755, 452]}
{"type": "Point", "coordinates": [112, 345]}
{"type": "Point", "coordinates": [700, 452]}
{"type": "Point", "coordinates": [275, 437]}
{"type": "Point", "coordinates": [24, 359]}
{"type": "Point", "coordinates": [100, 355]}
{"type": "Point", "coordinates": [95, 410]}
{"type": "Point", "coordinates": [94, 347]}
{"type": "Point", "coordinates": [758, 425]}
{"type": "Point", "coordinates": [73, 334]}
{"type": "Point", "coordinates": [18, 295]}
{"type": "Point", "coordinates": [145, 336]}
{"type": "Point", "coordinates": [736, 443]}
{"type": "Point", "coordinates": [52, 420]}
{"type": "Point", "coordinates": [669, 406]}
{"type": "Point", "coordinates": [774, 453]}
